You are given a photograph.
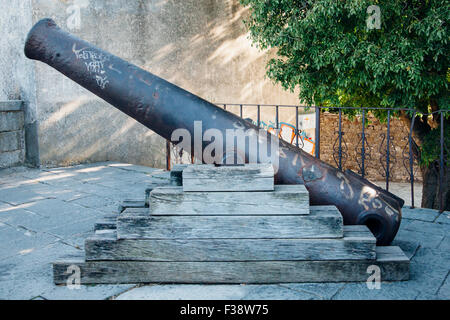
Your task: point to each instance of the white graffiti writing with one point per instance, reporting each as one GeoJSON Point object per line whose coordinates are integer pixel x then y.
{"type": "Point", "coordinates": [95, 63]}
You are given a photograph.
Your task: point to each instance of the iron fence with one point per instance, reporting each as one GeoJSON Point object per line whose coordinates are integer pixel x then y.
{"type": "Point", "coordinates": [340, 150]}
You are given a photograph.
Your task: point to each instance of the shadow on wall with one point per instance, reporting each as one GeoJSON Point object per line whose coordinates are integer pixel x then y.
{"type": "Point", "coordinates": [200, 45]}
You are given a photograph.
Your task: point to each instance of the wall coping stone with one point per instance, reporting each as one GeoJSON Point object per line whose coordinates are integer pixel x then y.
{"type": "Point", "coordinates": [11, 105]}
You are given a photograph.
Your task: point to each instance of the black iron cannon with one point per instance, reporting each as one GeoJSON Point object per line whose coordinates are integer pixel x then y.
{"type": "Point", "coordinates": [164, 107]}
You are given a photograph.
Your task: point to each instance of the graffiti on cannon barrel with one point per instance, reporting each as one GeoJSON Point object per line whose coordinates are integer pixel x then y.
{"type": "Point", "coordinates": [166, 108]}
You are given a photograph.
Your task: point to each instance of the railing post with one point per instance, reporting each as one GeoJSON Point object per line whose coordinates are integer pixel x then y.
{"type": "Point", "coordinates": [411, 160]}
{"type": "Point", "coordinates": [363, 140]}
{"type": "Point", "coordinates": [259, 115]}
{"type": "Point", "coordinates": [296, 126]}
{"type": "Point", "coordinates": [167, 155]}
{"type": "Point", "coordinates": [317, 132]}
{"type": "Point", "coordinates": [340, 139]}
{"type": "Point", "coordinates": [441, 165]}
{"type": "Point", "coordinates": [387, 148]}
{"type": "Point", "coordinates": [276, 118]}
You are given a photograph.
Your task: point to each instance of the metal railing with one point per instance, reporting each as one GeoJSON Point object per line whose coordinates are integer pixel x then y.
{"type": "Point", "coordinates": [340, 153]}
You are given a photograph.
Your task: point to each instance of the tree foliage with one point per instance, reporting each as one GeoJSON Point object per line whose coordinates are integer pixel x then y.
{"type": "Point", "coordinates": [326, 50]}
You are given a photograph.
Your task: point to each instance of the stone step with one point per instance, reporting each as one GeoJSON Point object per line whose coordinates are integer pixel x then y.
{"type": "Point", "coordinates": [248, 177]}
{"type": "Point", "coordinates": [322, 222]}
{"type": "Point", "coordinates": [284, 200]}
{"type": "Point", "coordinates": [358, 243]}
{"type": "Point", "coordinates": [393, 264]}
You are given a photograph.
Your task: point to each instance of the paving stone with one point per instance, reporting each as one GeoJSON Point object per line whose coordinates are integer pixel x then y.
{"type": "Point", "coordinates": [432, 258]}
{"type": "Point", "coordinates": [445, 244]}
{"type": "Point", "coordinates": [408, 247]}
{"type": "Point", "coordinates": [25, 244]}
{"type": "Point", "coordinates": [277, 292]}
{"type": "Point", "coordinates": [66, 230]}
{"type": "Point", "coordinates": [408, 240]}
{"type": "Point", "coordinates": [429, 228]}
{"type": "Point", "coordinates": [425, 279]}
{"type": "Point", "coordinates": [444, 218]}
{"type": "Point", "coordinates": [30, 276]}
{"type": "Point", "coordinates": [444, 290]}
{"type": "Point", "coordinates": [19, 195]}
{"type": "Point", "coordinates": [388, 291]}
{"type": "Point", "coordinates": [96, 202]}
{"type": "Point", "coordinates": [419, 214]}
{"type": "Point", "coordinates": [320, 291]}
{"type": "Point", "coordinates": [9, 233]}
{"type": "Point", "coordinates": [132, 167]}
{"type": "Point", "coordinates": [17, 216]}
{"type": "Point", "coordinates": [91, 292]}
{"type": "Point", "coordinates": [57, 209]}
{"type": "Point", "coordinates": [183, 292]}
{"type": "Point", "coordinates": [77, 240]}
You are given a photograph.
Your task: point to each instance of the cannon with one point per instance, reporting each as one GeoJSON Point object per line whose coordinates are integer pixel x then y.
{"type": "Point", "coordinates": [164, 107]}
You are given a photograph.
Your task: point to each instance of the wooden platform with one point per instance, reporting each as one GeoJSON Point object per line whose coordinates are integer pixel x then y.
{"type": "Point", "coordinates": [322, 222]}
{"type": "Point", "coordinates": [234, 236]}
{"type": "Point", "coordinates": [358, 243]}
{"type": "Point", "coordinates": [248, 177]}
{"type": "Point", "coordinates": [393, 263]}
{"type": "Point", "coordinates": [283, 200]}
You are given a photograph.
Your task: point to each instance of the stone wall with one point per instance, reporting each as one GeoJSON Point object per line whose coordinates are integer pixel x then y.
{"type": "Point", "coordinates": [17, 78]}
{"type": "Point", "coordinates": [375, 133]}
{"type": "Point", "coordinates": [200, 45]}
{"type": "Point", "coordinates": [12, 144]}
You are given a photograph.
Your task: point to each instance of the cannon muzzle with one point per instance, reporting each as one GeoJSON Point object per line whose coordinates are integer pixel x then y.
{"type": "Point", "coordinates": [164, 108]}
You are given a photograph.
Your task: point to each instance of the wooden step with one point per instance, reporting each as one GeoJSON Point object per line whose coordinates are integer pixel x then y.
{"type": "Point", "coordinates": [322, 222]}
{"type": "Point", "coordinates": [131, 203]}
{"type": "Point", "coordinates": [107, 223]}
{"type": "Point", "coordinates": [176, 174]}
{"type": "Point", "coordinates": [284, 200]}
{"type": "Point", "coordinates": [393, 264]}
{"type": "Point", "coordinates": [358, 243]}
{"type": "Point", "coordinates": [248, 177]}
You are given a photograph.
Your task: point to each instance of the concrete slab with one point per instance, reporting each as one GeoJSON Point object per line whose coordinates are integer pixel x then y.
{"type": "Point", "coordinates": [30, 276]}
{"type": "Point", "coordinates": [444, 218]}
{"type": "Point", "coordinates": [421, 214]}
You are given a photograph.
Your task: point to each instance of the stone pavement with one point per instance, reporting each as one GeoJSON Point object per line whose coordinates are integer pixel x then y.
{"type": "Point", "coordinates": [47, 213]}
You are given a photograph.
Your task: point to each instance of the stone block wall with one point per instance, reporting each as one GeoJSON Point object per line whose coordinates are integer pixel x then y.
{"type": "Point", "coordinates": [12, 145]}
{"type": "Point", "coordinates": [375, 133]}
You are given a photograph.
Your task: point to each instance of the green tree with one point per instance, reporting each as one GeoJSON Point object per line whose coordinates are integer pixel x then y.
{"type": "Point", "coordinates": [364, 53]}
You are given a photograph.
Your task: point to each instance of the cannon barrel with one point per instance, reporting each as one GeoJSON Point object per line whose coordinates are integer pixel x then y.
{"type": "Point", "coordinates": [164, 107]}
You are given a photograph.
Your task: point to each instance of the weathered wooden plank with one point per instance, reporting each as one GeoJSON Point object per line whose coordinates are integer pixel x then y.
{"type": "Point", "coordinates": [176, 174]}
{"type": "Point", "coordinates": [136, 212]}
{"type": "Point", "coordinates": [393, 263]}
{"type": "Point", "coordinates": [131, 203]}
{"type": "Point", "coordinates": [105, 224]}
{"type": "Point", "coordinates": [249, 177]}
{"type": "Point", "coordinates": [285, 200]}
{"type": "Point", "coordinates": [149, 189]}
{"type": "Point", "coordinates": [105, 246]}
{"type": "Point", "coordinates": [322, 222]}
